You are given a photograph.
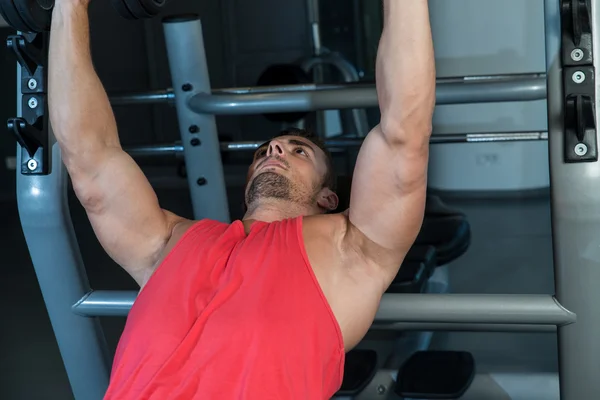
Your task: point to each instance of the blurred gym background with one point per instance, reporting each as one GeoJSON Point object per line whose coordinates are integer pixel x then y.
{"type": "Point", "coordinates": [502, 187]}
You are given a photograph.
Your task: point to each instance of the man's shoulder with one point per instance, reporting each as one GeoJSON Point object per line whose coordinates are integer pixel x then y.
{"type": "Point", "coordinates": [326, 224]}
{"type": "Point", "coordinates": [351, 243]}
{"type": "Point", "coordinates": [338, 225]}
{"type": "Point", "coordinates": [328, 231]}
{"type": "Point", "coordinates": [184, 227]}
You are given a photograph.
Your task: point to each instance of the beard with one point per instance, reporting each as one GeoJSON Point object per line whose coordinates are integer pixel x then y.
{"type": "Point", "coordinates": [269, 185]}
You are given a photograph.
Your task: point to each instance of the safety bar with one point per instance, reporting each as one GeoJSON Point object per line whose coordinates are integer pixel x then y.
{"type": "Point", "coordinates": [531, 85]}
{"type": "Point", "coordinates": [473, 309]}
{"type": "Point", "coordinates": [453, 327]}
{"type": "Point", "coordinates": [426, 309]}
{"type": "Point", "coordinates": [156, 150]}
{"type": "Point", "coordinates": [105, 303]}
{"type": "Point", "coordinates": [153, 97]}
{"type": "Point", "coordinates": [176, 149]}
{"type": "Point", "coordinates": [168, 95]}
{"type": "Point", "coordinates": [363, 96]}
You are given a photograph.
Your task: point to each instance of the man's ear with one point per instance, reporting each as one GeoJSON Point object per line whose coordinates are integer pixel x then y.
{"type": "Point", "coordinates": [327, 199]}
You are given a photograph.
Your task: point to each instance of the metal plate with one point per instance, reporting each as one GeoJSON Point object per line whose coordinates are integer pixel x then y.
{"type": "Point", "coordinates": [37, 16]}
{"type": "Point", "coordinates": [12, 17]}
{"type": "Point", "coordinates": [122, 9]}
{"type": "Point", "coordinates": [136, 8]}
{"type": "Point", "coordinates": [154, 7]}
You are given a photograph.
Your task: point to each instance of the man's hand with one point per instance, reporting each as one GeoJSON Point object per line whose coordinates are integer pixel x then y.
{"type": "Point", "coordinates": [389, 187]}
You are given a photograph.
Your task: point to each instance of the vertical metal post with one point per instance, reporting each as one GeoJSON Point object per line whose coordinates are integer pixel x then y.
{"type": "Point", "coordinates": [575, 191]}
{"type": "Point", "coordinates": [189, 73]}
{"type": "Point", "coordinates": [48, 230]}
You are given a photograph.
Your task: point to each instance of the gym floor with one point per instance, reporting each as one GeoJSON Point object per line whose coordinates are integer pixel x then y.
{"type": "Point", "coordinates": [511, 252]}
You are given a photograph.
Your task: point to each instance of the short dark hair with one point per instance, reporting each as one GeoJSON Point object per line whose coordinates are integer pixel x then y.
{"type": "Point", "coordinates": [329, 180]}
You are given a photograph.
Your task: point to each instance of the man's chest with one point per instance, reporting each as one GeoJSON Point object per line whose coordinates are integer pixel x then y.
{"type": "Point", "coordinates": [353, 291]}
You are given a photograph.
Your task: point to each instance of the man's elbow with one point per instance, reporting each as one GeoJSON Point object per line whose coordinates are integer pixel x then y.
{"type": "Point", "coordinates": [413, 135]}
{"type": "Point", "coordinates": [408, 119]}
{"type": "Point", "coordinates": [89, 194]}
{"type": "Point", "coordinates": [85, 168]}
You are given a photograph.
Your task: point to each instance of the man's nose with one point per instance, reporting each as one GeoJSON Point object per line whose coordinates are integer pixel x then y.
{"type": "Point", "coordinates": [275, 148]}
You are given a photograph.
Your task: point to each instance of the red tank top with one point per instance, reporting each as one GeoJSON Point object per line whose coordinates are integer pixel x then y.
{"type": "Point", "coordinates": [231, 316]}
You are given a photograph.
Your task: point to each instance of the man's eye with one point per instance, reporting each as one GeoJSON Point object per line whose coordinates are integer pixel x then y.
{"type": "Point", "coordinates": [300, 150]}
{"type": "Point", "coordinates": [260, 153]}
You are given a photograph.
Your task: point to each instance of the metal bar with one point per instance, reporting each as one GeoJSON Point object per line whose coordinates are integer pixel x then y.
{"type": "Point", "coordinates": [575, 207]}
{"type": "Point", "coordinates": [312, 7]}
{"type": "Point", "coordinates": [154, 97]}
{"type": "Point", "coordinates": [176, 149]}
{"type": "Point", "coordinates": [364, 96]}
{"type": "Point", "coordinates": [311, 87]}
{"type": "Point", "coordinates": [168, 96]}
{"type": "Point", "coordinates": [474, 309]}
{"type": "Point", "coordinates": [427, 309]}
{"type": "Point", "coordinates": [189, 72]}
{"type": "Point", "coordinates": [491, 78]}
{"type": "Point", "coordinates": [447, 327]}
{"type": "Point", "coordinates": [156, 150]}
{"type": "Point", "coordinates": [305, 87]}
{"type": "Point", "coordinates": [49, 234]}
{"type": "Point", "coordinates": [435, 139]}
{"type": "Point", "coordinates": [105, 303]}
{"type": "Point", "coordinates": [488, 137]}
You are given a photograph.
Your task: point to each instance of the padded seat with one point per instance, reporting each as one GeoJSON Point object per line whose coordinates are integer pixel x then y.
{"type": "Point", "coordinates": [359, 369]}
{"type": "Point", "coordinates": [446, 229]}
{"type": "Point", "coordinates": [416, 269]}
{"type": "Point", "coordinates": [435, 375]}
{"type": "Point", "coordinates": [445, 235]}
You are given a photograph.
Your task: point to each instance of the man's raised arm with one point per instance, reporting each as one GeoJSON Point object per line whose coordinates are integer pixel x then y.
{"type": "Point", "coordinates": [121, 204]}
{"type": "Point", "coordinates": [390, 180]}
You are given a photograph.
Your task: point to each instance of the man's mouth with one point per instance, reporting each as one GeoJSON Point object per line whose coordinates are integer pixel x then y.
{"type": "Point", "coordinates": [273, 164]}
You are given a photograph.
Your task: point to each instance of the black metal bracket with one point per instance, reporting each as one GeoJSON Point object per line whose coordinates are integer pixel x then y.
{"type": "Point", "coordinates": [32, 140]}
{"type": "Point", "coordinates": [580, 134]}
{"type": "Point", "coordinates": [576, 32]}
{"type": "Point", "coordinates": [31, 129]}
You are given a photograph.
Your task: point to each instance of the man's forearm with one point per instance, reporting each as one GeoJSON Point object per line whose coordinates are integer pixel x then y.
{"type": "Point", "coordinates": [406, 70]}
{"type": "Point", "coordinates": [80, 111]}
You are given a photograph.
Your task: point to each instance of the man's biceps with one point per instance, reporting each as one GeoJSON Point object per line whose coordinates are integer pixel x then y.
{"type": "Point", "coordinates": [128, 240]}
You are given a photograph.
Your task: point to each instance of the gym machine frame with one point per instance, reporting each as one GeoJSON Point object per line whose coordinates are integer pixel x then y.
{"type": "Point", "coordinates": [73, 307]}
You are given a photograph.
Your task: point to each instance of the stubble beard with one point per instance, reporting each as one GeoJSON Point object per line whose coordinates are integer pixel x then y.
{"type": "Point", "coordinates": [269, 185]}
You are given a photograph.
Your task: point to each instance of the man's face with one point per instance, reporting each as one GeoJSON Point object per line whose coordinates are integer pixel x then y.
{"type": "Point", "coordinates": [287, 168]}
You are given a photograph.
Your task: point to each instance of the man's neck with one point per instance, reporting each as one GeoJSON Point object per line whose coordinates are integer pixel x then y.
{"type": "Point", "coordinates": [277, 210]}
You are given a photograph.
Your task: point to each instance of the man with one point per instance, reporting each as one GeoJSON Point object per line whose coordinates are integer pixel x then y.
{"type": "Point", "coordinates": [266, 307]}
